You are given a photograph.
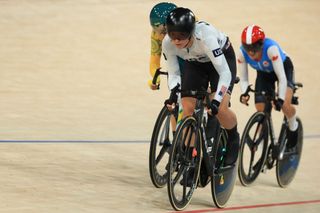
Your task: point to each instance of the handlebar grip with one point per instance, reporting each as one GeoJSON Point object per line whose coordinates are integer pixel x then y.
{"type": "Point", "coordinates": [156, 75]}
{"type": "Point", "coordinates": [237, 80]}
{"type": "Point", "coordinates": [299, 84]}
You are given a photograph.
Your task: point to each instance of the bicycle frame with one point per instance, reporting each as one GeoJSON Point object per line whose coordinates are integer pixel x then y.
{"type": "Point", "coordinates": [274, 142]}
{"type": "Point", "coordinates": [274, 152]}
{"type": "Point", "coordinates": [199, 115]}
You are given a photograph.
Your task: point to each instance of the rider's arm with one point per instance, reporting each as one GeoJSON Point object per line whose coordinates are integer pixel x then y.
{"type": "Point", "coordinates": [243, 72]}
{"type": "Point", "coordinates": [155, 57]}
{"type": "Point", "coordinates": [275, 57]}
{"type": "Point", "coordinates": [219, 62]}
{"type": "Point", "coordinates": [169, 54]}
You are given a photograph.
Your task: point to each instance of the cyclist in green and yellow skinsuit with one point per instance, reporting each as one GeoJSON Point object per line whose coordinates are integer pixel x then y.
{"type": "Point", "coordinates": [158, 15]}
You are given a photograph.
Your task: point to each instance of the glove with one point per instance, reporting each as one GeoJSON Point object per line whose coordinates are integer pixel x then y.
{"type": "Point", "coordinates": [246, 98]}
{"type": "Point", "coordinates": [214, 106]}
{"type": "Point", "coordinates": [154, 86]}
{"type": "Point", "coordinates": [278, 104]}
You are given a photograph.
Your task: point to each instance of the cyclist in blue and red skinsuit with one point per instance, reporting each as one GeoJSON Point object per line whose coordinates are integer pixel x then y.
{"type": "Point", "coordinates": [272, 64]}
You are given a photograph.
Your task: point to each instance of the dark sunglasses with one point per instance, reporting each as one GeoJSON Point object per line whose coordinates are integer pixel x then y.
{"type": "Point", "coordinates": [253, 47]}
{"type": "Point", "coordinates": [179, 35]}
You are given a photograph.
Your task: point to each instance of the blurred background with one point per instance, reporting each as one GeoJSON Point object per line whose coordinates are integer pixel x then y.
{"type": "Point", "coordinates": [78, 70]}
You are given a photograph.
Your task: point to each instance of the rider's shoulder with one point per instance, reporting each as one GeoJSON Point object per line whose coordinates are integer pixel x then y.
{"type": "Point", "coordinates": [268, 42]}
{"type": "Point", "coordinates": [204, 29]}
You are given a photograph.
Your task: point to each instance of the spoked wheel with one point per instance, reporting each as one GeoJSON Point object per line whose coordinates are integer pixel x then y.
{"type": "Point", "coordinates": [287, 166]}
{"type": "Point", "coordinates": [253, 148]}
{"type": "Point", "coordinates": [160, 147]}
{"type": "Point", "coordinates": [224, 176]}
{"type": "Point", "coordinates": [184, 164]}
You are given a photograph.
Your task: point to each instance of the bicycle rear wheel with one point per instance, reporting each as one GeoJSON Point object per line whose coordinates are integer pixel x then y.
{"type": "Point", "coordinates": [253, 148]}
{"type": "Point", "coordinates": [287, 166]}
{"type": "Point", "coordinates": [160, 147]}
{"type": "Point", "coordinates": [184, 164]}
{"type": "Point", "coordinates": [224, 177]}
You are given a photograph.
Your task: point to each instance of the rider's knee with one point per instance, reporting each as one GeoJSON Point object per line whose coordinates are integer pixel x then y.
{"type": "Point", "coordinates": [287, 107]}
{"type": "Point", "coordinates": [188, 107]}
{"type": "Point", "coordinates": [259, 107]}
{"type": "Point", "coordinates": [223, 110]}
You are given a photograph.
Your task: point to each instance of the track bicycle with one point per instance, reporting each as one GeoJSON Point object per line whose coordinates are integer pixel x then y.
{"type": "Point", "coordinates": [161, 140]}
{"type": "Point", "coordinates": [192, 166]}
{"type": "Point", "coordinates": [259, 149]}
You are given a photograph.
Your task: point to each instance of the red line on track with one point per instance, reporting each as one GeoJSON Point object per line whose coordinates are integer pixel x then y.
{"type": "Point", "coordinates": [252, 206]}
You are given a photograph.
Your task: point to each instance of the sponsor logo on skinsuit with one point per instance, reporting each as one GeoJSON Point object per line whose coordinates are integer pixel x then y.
{"type": "Point", "coordinates": [217, 52]}
{"type": "Point", "coordinates": [222, 91]}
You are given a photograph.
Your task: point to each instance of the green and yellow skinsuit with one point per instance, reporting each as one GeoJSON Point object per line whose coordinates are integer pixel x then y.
{"type": "Point", "coordinates": [155, 57]}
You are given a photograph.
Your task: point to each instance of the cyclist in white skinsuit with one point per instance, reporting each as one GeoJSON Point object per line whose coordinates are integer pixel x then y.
{"type": "Point", "coordinates": [208, 57]}
{"type": "Point", "coordinates": [272, 64]}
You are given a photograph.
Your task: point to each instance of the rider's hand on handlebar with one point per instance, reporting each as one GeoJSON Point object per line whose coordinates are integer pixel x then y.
{"type": "Point", "coordinates": [244, 98]}
{"type": "Point", "coordinates": [214, 106]}
{"type": "Point", "coordinates": [278, 103]}
{"type": "Point", "coordinates": [153, 86]}
{"type": "Point", "coordinates": [172, 101]}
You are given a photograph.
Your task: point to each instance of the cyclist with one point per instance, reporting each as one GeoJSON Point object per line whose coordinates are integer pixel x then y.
{"type": "Point", "coordinates": [158, 15]}
{"type": "Point", "coordinates": [208, 56]}
{"type": "Point", "coordinates": [272, 64]}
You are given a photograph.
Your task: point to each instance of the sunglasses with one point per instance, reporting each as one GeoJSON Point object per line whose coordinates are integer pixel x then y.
{"type": "Point", "coordinates": [179, 36]}
{"type": "Point", "coordinates": [256, 47]}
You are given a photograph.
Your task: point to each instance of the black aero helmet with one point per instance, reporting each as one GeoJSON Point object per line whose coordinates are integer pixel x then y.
{"type": "Point", "coordinates": [181, 20]}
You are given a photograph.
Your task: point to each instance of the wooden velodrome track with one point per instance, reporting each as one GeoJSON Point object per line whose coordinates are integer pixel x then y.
{"type": "Point", "coordinates": [76, 112]}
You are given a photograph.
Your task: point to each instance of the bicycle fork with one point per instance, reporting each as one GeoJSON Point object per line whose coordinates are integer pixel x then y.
{"type": "Point", "coordinates": [273, 148]}
{"type": "Point", "coordinates": [281, 140]}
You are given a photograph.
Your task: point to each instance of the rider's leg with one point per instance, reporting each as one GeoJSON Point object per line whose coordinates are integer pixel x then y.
{"type": "Point", "coordinates": [265, 82]}
{"type": "Point", "coordinates": [228, 120]}
{"type": "Point", "coordinates": [259, 107]}
{"type": "Point", "coordinates": [194, 78]}
{"type": "Point", "coordinates": [226, 116]}
{"type": "Point", "coordinates": [290, 112]}
{"type": "Point", "coordinates": [188, 105]}
{"type": "Point", "coordinates": [287, 108]}
{"type": "Point", "coordinates": [173, 122]}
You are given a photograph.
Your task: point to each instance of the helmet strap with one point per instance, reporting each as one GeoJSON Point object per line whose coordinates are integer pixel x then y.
{"type": "Point", "coordinates": [187, 45]}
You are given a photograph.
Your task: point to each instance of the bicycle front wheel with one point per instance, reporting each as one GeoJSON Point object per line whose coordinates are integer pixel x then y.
{"type": "Point", "coordinates": [287, 166]}
{"type": "Point", "coordinates": [160, 147]}
{"type": "Point", "coordinates": [184, 163]}
{"type": "Point", "coordinates": [253, 148]}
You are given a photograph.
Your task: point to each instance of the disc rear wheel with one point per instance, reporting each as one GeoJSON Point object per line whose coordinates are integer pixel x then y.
{"type": "Point", "coordinates": [287, 166]}
{"type": "Point", "coordinates": [224, 176]}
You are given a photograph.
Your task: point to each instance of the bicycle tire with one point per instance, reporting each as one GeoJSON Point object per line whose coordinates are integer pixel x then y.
{"type": "Point", "coordinates": [160, 143]}
{"type": "Point", "coordinates": [287, 167]}
{"type": "Point", "coordinates": [223, 179]}
{"type": "Point", "coordinates": [249, 171]}
{"type": "Point", "coordinates": [179, 165]}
